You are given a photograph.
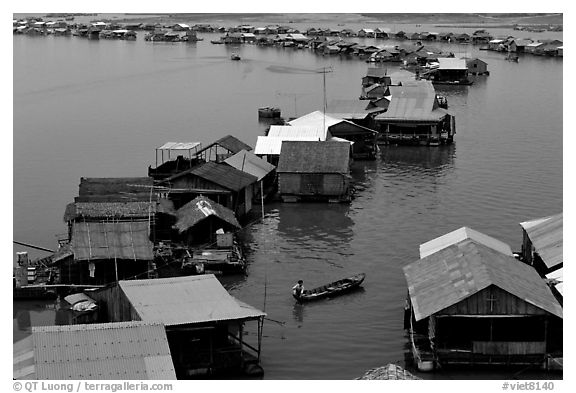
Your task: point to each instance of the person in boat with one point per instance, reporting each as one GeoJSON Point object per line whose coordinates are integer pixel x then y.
{"type": "Point", "coordinates": [298, 289]}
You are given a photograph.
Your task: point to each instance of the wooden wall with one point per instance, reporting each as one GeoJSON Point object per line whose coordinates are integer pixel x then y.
{"type": "Point", "coordinates": [114, 304]}
{"type": "Point", "coordinates": [312, 184]}
{"type": "Point", "coordinates": [503, 304]}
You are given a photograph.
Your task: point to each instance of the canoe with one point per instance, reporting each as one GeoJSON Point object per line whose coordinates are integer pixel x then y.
{"type": "Point", "coordinates": [335, 288]}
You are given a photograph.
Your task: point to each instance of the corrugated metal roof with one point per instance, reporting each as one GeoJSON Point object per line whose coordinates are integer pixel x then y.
{"type": "Point", "coordinates": [180, 146]}
{"type": "Point", "coordinates": [109, 240]}
{"type": "Point", "coordinates": [314, 157]}
{"type": "Point", "coordinates": [461, 270]}
{"type": "Point", "coordinates": [350, 109]}
{"type": "Point", "coordinates": [221, 174]}
{"type": "Point", "coordinates": [297, 131]}
{"type": "Point", "coordinates": [112, 351]}
{"type": "Point", "coordinates": [412, 102]}
{"type": "Point", "coordinates": [558, 277]}
{"type": "Point", "coordinates": [201, 208]}
{"type": "Point", "coordinates": [459, 235]}
{"type": "Point", "coordinates": [450, 63]}
{"type": "Point", "coordinates": [185, 300]}
{"type": "Point", "coordinates": [266, 145]}
{"type": "Point", "coordinates": [248, 162]}
{"type": "Point", "coordinates": [523, 42]}
{"type": "Point", "coordinates": [137, 209]}
{"type": "Point", "coordinates": [318, 119]}
{"type": "Point", "coordinates": [233, 144]}
{"type": "Point", "coordinates": [546, 235]}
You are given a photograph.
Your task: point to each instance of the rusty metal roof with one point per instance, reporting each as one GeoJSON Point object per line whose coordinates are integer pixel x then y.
{"type": "Point", "coordinates": [221, 174]}
{"type": "Point", "coordinates": [248, 162]}
{"type": "Point", "coordinates": [185, 300]}
{"type": "Point", "coordinates": [546, 235]}
{"type": "Point", "coordinates": [201, 208]}
{"type": "Point", "coordinates": [314, 157]}
{"type": "Point", "coordinates": [451, 275]}
{"type": "Point", "coordinates": [110, 240]}
{"type": "Point", "coordinates": [457, 236]}
{"type": "Point", "coordinates": [112, 351]}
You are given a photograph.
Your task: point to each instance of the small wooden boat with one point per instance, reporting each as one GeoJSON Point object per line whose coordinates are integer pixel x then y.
{"type": "Point", "coordinates": [335, 288]}
{"type": "Point", "coordinates": [235, 56]}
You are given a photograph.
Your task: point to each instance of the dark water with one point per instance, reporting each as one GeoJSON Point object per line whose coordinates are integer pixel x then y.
{"type": "Point", "coordinates": [99, 108]}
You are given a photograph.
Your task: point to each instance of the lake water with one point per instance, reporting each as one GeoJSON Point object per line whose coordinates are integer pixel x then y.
{"type": "Point", "coordinates": [99, 108]}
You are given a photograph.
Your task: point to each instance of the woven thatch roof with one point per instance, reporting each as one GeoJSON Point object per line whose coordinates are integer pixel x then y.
{"type": "Point", "coordinates": [92, 210]}
{"type": "Point", "coordinates": [119, 189]}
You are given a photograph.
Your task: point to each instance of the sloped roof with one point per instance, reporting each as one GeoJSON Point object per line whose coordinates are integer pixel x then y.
{"type": "Point", "coordinates": [228, 142]}
{"type": "Point", "coordinates": [180, 146]}
{"type": "Point", "coordinates": [451, 63]}
{"type": "Point", "coordinates": [546, 235]}
{"type": "Point", "coordinates": [185, 300]}
{"type": "Point", "coordinates": [295, 131]}
{"type": "Point", "coordinates": [201, 208]}
{"type": "Point", "coordinates": [459, 235]}
{"type": "Point", "coordinates": [267, 145]}
{"type": "Point", "coordinates": [318, 119]}
{"type": "Point", "coordinates": [109, 240]}
{"type": "Point", "coordinates": [109, 351]}
{"type": "Point", "coordinates": [350, 109]}
{"type": "Point", "coordinates": [558, 277]}
{"type": "Point", "coordinates": [121, 189]}
{"type": "Point", "coordinates": [376, 72]}
{"type": "Point", "coordinates": [221, 174]}
{"type": "Point", "coordinates": [248, 162]}
{"type": "Point", "coordinates": [412, 102]}
{"type": "Point", "coordinates": [314, 157]}
{"type": "Point", "coordinates": [137, 209]}
{"type": "Point", "coordinates": [451, 275]}
{"type": "Point", "coordinates": [522, 42]}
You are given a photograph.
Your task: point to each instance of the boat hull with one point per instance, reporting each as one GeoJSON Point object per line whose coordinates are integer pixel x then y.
{"type": "Point", "coordinates": [333, 289]}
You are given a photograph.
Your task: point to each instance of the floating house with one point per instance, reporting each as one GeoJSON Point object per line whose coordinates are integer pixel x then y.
{"type": "Point", "coordinates": [450, 71]}
{"type": "Point", "coordinates": [221, 183]}
{"type": "Point", "coordinates": [542, 244]}
{"type": "Point", "coordinates": [368, 33]}
{"type": "Point", "coordinates": [531, 48]}
{"type": "Point", "coordinates": [518, 45]}
{"type": "Point", "coordinates": [477, 67]}
{"type": "Point", "coordinates": [315, 171]}
{"type": "Point", "coordinates": [269, 147]}
{"type": "Point", "coordinates": [222, 149]}
{"type": "Point", "coordinates": [205, 325]}
{"type": "Point", "coordinates": [364, 139]}
{"type": "Point", "coordinates": [414, 117]}
{"type": "Point", "coordinates": [469, 304]}
{"type": "Point", "coordinates": [376, 75]}
{"type": "Point", "coordinates": [104, 351]}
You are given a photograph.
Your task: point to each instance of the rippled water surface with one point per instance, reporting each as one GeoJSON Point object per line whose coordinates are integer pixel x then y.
{"type": "Point", "coordinates": [99, 108]}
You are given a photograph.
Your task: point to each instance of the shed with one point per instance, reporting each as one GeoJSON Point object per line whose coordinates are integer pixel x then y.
{"type": "Point", "coordinates": [204, 323]}
{"type": "Point", "coordinates": [105, 351]}
{"type": "Point", "coordinates": [542, 245]}
{"type": "Point", "coordinates": [477, 305]}
{"type": "Point", "coordinates": [462, 234]}
{"type": "Point", "coordinates": [314, 171]}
